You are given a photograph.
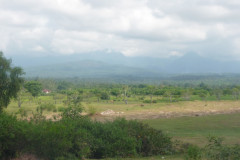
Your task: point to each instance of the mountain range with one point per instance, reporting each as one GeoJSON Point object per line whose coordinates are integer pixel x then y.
{"type": "Point", "coordinates": [104, 64]}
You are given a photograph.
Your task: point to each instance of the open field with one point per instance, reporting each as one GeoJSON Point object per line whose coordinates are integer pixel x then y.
{"type": "Point", "coordinates": [166, 110]}
{"type": "Point", "coordinates": [189, 121]}
{"type": "Point", "coordinates": [195, 130]}
{"type": "Point", "coordinates": [136, 109]}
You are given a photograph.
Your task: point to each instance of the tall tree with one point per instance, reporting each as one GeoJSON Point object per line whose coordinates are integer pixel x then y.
{"type": "Point", "coordinates": [34, 87]}
{"type": "Point", "coordinates": [10, 81]}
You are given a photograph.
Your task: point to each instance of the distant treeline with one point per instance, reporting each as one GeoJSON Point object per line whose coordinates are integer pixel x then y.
{"type": "Point", "coordinates": [166, 79]}
{"type": "Point", "coordinates": [172, 90]}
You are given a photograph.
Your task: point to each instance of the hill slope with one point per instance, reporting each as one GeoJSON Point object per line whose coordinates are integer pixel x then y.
{"type": "Point", "coordinates": [86, 69]}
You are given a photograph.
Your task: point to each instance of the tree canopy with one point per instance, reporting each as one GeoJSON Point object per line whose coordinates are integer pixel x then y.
{"type": "Point", "coordinates": [34, 87]}
{"type": "Point", "coordinates": [10, 81]}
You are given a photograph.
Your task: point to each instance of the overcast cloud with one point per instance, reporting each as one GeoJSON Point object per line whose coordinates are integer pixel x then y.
{"type": "Point", "coordinates": [133, 27]}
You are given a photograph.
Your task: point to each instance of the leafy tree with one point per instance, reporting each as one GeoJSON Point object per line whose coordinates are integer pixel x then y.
{"type": "Point", "coordinates": [169, 94]}
{"type": "Point", "coordinates": [10, 81]}
{"type": "Point", "coordinates": [115, 92]}
{"type": "Point", "coordinates": [105, 96]}
{"type": "Point", "coordinates": [235, 92]}
{"type": "Point", "coordinates": [203, 94]}
{"type": "Point", "coordinates": [19, 97]}
{"type": "Point", "coordinates": [34, 87]}
{"type": "Point", "coordinates": [125, 88]}
{"type": "Point", "coordinates": [63, 86]}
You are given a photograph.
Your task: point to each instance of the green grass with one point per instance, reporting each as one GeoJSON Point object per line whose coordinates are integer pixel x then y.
{"type": "Point", "coordinates": [196, 129]}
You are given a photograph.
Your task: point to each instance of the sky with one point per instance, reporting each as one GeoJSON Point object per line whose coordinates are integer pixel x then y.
{"type": "Point", "coordinates": [155, 28]}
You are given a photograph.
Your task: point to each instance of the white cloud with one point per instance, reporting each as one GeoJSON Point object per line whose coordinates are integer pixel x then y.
{"type": "Point", "coordinates": [134, 27]}
{"type": "Point", "coordinates": [38, 49]}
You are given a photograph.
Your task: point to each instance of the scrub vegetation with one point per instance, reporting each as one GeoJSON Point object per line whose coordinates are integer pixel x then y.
{"type": "Point", "coordinates": [81, 119]}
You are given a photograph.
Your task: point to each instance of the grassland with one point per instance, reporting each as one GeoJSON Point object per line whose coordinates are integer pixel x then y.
{"type": "Point", "coordinates": [196, 129]}
{"type": "Point", "coordinates": [136, 109]}
{"type": "Point", "coordinates": [187, 121]}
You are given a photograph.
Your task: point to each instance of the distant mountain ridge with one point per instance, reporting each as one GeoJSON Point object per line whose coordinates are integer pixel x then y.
{"type": "Point", "coordinates": [86, 69]}
{"type": "Point", "coordinates": [100, 64]}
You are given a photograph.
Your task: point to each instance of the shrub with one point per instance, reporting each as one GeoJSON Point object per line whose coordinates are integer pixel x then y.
{"type": "Point", "coordinates": [92, 110]}
{"type": "Point", "coordinates": [22, 112]}
{"type": "Point", "coordinates": [104, 96]}
{"type": "Point", "coordinates": [78, 137]}
{"type": "Point", "coordinates": [48, 107]}
{"type": "Point", "coordinates": [72, 112]}
{"type": "Point", "coordinates": [12, 135]}
{"type": "Point", "coordinates": [61, 109]}
{"type": "Point", "coordinates": [193, 153]}
{"type": "Point", "coordinates": [150, 141]}
{"type": "Point", "coordinates": [112, 141]}
{"type": "Point", "coordinates": [216, 150]}
{"type": "Point", "coordinates": [149, 101]}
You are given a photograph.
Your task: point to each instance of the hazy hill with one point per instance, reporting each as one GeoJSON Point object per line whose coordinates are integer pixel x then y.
{"type": "Point", "coordinates": [193, 63]}
{"type": "Point", "coordinates": [86, 69]}
{"type": "Point", "coordinates": [100, 64]}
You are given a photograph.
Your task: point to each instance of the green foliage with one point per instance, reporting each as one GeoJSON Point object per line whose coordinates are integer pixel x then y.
{"type": "Point", "coordinates": [72, 112]}
{"type": "Point", "coordinates": [47, 107]}
{"type": "Point", "coordinates": [105, 96]}
{"type": "Point", "coordinates": [12, 136]}
{"type": "Point", "coordinates": [150, 141]}
{"type": "Point", "coordinates": [149, 101]}
{"type": "Point", "coordinates": [10, 81]}
{"type": "Point", "coordinates": [216, 150]}
{"type": "Point", "coordinates": [92, 110]}
{"type": "Point", "coordinates": [193, 153]}
{"type": "Point", "coordinates": [22, 112]}
{"type": "Point", "coordinates": [34, 87]}
{"type": "Point", "coordinates": [112, 140]}
{"type": "Point", "coordinates": [61, 109]}
{"type": "Point", "coordinates": [77, 137]}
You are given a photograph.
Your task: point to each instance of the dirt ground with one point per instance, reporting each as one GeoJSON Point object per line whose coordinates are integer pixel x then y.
{"type": "Point", "coordinates": [196, 108]}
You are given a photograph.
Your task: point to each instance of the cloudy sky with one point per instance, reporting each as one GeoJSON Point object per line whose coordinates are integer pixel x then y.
{"type": "Point", "coordinates": [156, 28]}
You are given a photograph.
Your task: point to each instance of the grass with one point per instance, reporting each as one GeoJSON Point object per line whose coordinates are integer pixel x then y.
{"type": "Point", "coordinates": [196, 129]}
{"type": "Point", "coordinates": [189, 129]}
{"type": "Point", "coordinates": [193, 129]}
{"type": "Point", "coordinates": [135, 109]}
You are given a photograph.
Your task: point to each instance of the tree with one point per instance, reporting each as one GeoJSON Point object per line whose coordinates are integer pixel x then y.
{"type": "Point", "coordinates": [10, 81]}
{"type": "Point", "coordinates": [218, 93]}
{"type": "Point", "coordinates": [151, 91]}
{"type": "Point", "coordinates": [125, 88]}
{"type": "Point", "coordinates": [34, 87]}
{"type": "Point", "coordinates": [115, 92]}
{"type": "Point", "coordinates": [168, 93]}
{"type": "Point", "coordinates": [19, 97]}
{"type": "Point", "coordinates": [235, 92]}
{"type": "Point", "coordinates": [105, 96]}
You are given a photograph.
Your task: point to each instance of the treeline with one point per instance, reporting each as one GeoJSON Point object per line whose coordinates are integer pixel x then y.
{"type": "Point", "coordinates": [145, 93]}
{"type": "Point", "coordinates": [212, 79]}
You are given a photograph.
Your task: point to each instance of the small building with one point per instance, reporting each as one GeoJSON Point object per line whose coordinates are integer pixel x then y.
{"type": "Point", "coordinates": [46, 91]}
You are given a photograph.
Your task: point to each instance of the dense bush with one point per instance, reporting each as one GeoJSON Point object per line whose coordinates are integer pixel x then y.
{"type": "Point", "coordinates": [193, 153]}
{"type": "Point", "coordinates": [216, 150]}
{"type": "Point", "coordinates": [76, 136]}
{"type": "Point", "coordinates": [12, 135]}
